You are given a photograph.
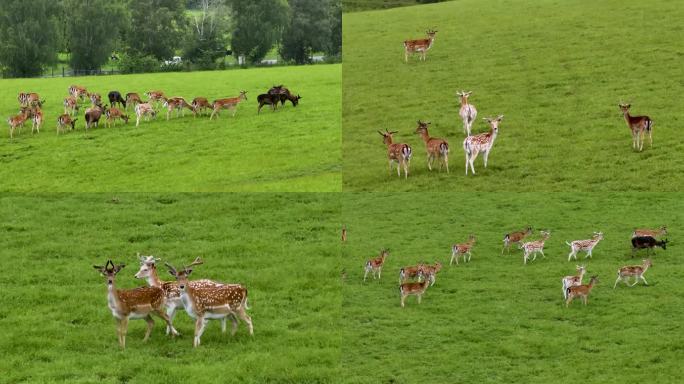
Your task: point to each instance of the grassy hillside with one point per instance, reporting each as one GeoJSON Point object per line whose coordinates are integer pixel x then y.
{"type": "Point", "coordinates": [495, 320]}
{"type": "Point", "coordinates": [294, 149]}
{"type": "Point", "coordinates": [556, 70]}
{"type": "Point", "coordinates": [57, 327]}
{"type": "Point", "coordinates": [362, 5]}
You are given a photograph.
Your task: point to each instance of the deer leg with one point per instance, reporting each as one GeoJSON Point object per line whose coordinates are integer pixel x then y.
{"type": "Point", "coordinates": [406, 169]}
{"type": "Point", "coordinates": [616, 281]}
{"type": "Point", "coordinates": [150, 325]}
{"type": "Point", "coordinates": [245, 317]}
{"type": "Point", "coordinates": [233, 331]}
{"type": "Point", "coordinates": [200, 323]}
{"type": "Point", "coordinates": [642, 278]}
{"type": "Point", "coordinates": [419, 297]}
{"type": "Point", "coordinates": [542, 253]}
{"type": "Point", "coordinates": [570, 256]}
{"type": "Point", "coordinates": [446, 162]}
{"type": "Point", "coordinates": [584, 299]}
{"type": "Point", "coordinates": [403, 297]}
{"type": "Point", "coordinates": [486, 156]}
{"type": "Point", "coordinates": [379, 272]}
{"type": "Point", "coordinates": [159, 312]}
{"type": "Point", "coordinates": [124, 330]}
{"type": "Point", "coordinates": [171, 313]}
{"type": "Point", "coordinates": [451, 262]}
{"type": "Point", "coordinates": [650, 137]}
{"type": "Point", "coordinates": [429, 162]}
{"type": "Point", "coordinates": [472, 167]}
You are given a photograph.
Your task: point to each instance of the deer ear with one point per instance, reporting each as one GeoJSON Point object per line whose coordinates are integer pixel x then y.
{"type": "Point", "coordinates": [172, 273]}
{"type": "Point", "coordinates": [381, 134]}
{"type": "Point", "coordinates": [98, 267]}
{"type": "Point", "coordinates": [188, 271]}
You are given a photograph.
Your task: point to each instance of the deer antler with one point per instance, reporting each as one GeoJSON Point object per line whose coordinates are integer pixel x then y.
{"type": "Point", "coordinates": [171, 268]}
{"type": "Point", "coordinates": [197, 261]}
{"type": "Point", "coordinates": [107, 266]}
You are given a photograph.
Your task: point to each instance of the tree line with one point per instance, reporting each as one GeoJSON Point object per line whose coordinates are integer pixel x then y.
{"type": "Point", "coordinates": [144, 33]}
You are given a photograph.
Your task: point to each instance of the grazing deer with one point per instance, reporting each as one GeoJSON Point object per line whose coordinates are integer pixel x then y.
{"type": "Point", "coordinates": [624, 273]}
{"type": "Point", "coordinates": [116, 98]}
{"type": "Point", "coordinates": [93, 115]}
{"type": "Point", "coordinates": [584, 245]}
{"type": "Point", "coordinates": [435, 147]}
{"type": "Point", "coordinates": [417, 289]}
{"type": "Point", "coordinates": [571, 281]}
{"type": "Point", "coordinates": [515, 238]}
{"type": "Point", "coordinates": [534, 247]}
{"type": "Point", "coordinates": [65, 120]}
{"type": "Point", "coordinates": [430, 271]}
{"type": "Point", "coordinates": [467, 112]}
{"type": "Point", "coordinates": [199, 105]}
{"type": "Point", "coordinates": [399, 152]}
{"type": "Point", "coordinates": [420, 46]}
{"type": "Point", "coordinates": [113, 114]}
{"type": "Point", "coordinates": [37, 117]}
{"type": "Point", "coordinates": [79, 92]}
{"type": "Point", "coordinates": [31, 99]}
{"type": "Point", "coordinates": [648, 243]}
{"type": "Point", "coordinates": [655, 233]}
{"type": "Point", "coordinates": [638, 125]}
{"type": "Point", "coordinates": [71, 104]}
{"type": "Point", "coordinates": [375, 265]}
{"type": "Point", "coordinates": [95, 99]}
{"type": "Point", "coordinates": [155, 97]}
{"type": "Point", "coordinates": [133, 99]}
{"type": "Point", "coordinates": [414, 271]}
{"type": "Point", "coordinates": [210, 303]}
{"type": "Point", "coordinates": [462, 249]}
{"type": "Point", "coordinates": [144, 110]}
{"type": "Point", "coordinates": [138, 303]}
{"type": "Point", "coordinates": [268, 99]}
{"type": "Point", "coordinates": [473, 145]}
{"type": "Point", "coordinates": [177, 104]}
{"type": "Point", "coordinates": [17, 121]}
{"type": "Point", "coordinates": [582, 290]}
{"type": "Point", "coordinates": [230, 103]}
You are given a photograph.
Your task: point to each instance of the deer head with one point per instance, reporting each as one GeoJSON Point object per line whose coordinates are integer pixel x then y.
{"type": "Point", "coordinates": [387, 136]}
{"type": "Point", "coordinates": [182, 275]}
{"type": "Point", "coordinates": [422, 127]}
{"type": "Point", "coordinates": [109, 271]}
{"type": "Point", "coordinates": [147, 265]}
{"type": "Point", "coordinates": [494, 122]}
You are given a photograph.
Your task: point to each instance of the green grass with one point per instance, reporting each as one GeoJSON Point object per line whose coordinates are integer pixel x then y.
{"type": "Point", "coordinates": [54, 315]}
{"type": "Point", "coordinates": [495, 320]}
{"type": "Point", "coordinates": [555, 69]}
{"type": "Point", "coordinates": [293, 149]}
{"type": "Point", "coordinates": [363, 5]}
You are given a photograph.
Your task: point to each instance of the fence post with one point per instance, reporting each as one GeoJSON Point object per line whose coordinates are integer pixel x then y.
{"type": "Point", "coordinates": [62, 71]}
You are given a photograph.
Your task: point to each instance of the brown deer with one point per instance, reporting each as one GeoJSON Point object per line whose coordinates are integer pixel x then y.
{"type": "Point", "coordinates": [430, 272]}
{"type": "Point", "coordinates": [128, 304]}
{"type": "Point", "coordinates": [199, 105]}
{"type": "Point", "coordinates": [79, 92]}
{"type": "Point", "coordinates": [176, 104]}
{"type": "Point", "coordinates": [38, 118]}
{"type": "Point", "coordinates": [582, 291]}
{"type": "Point", "coordinates": [436, 148]}
{"type": "Point", "coordinates": [639, 125]}
{"type": "Point", "coordinates": [375, 265]}
{"type": "Point", "coordinates": [462, 249]}
{"type": "Point", "coordinates": [155, 97]}
{"type": "Point", "coordinates": [93, 115]}
{"type": "Point", "coordinates": [417, 289]}
{"type": "Point", "coordinates": [17, 121]}
{"type": "Point", "coordinates": [467, 112]}
{"type": "Point", "coordinates": [71, 104]}
{"type": "Point", "coordinates": [64, 121]}
{"type": "Point", "coordinates": [133, 99]}
{"type": "Point", "coordinates": [209, 303]}
{"type": "Point", "coordinates": [230, 103]}
{"type": "Point", "coordinates": [414, 271]}
{"type": "Point", "coordinates": [420, 46]}
{"type": "Point", "coordinates": [95, 99]}
{"type": "Point", "coordinates": [31, 99]}
{"type": "Point", "coordinates": [569, 281]}
{"type": "Point", "coordinates": [399, 152]}
{"type": "Point", "coordinates": [473, 145]}
{"type": "Point", "coordinates": [515, 238]}
{"type": "Point", "coordinates": [624, 273]}
{"type": "Point", "coordinates": [113, 114]}
{"type": "Point", "coordinates": [654, 233]}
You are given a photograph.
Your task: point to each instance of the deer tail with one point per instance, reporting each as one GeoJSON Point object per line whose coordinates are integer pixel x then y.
{"type": "Point", "coordinates": [406, 151]}
{"type": "Point", "coordinates": [444, 149]}
{"type": "Point", "coordinates": [649, 124]}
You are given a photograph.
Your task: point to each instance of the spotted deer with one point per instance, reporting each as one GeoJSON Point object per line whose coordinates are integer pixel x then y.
{"type": "Point", "coordinates": [113, 114]}
{"type": "Point", "coordinates": [584, 246]}
{"type": "Point", "coordinates": [129, 304]}
{"type": "Point", "coordinates": [30, 99]}
{"type": "Point", "coordinates": [210, 303]}
{"type": "Point", "coordinates": [79, 92]}
{"type": "Point", "coordinates": [515, 238]}
{"type": "Point", "coordinates": [570, 281]}
{"type": "Point", "coordinates": [416, 289]}
{"type": "Point", "coordinates": [462, 249]}
{"type": "Point", "coordinates": [397, 152]}
{"type": "Point", "coordinates": [70, 105]}
{"type": "Point", "coordinates": [375, 265]}
{"type": "Point", "coordinates": [420, 46]}
{"type": "Point", "coordinates": [144, 110]}
{"type": "Point", "coordinates": [483, 142]}
{"type": "Point", "coordinates": [430, 271]}
{"type": "Point", "coordinates": [17, 121]}
{"type": "Point", "coordinates": [230, 103]}
{"type": "Point", "coordinates": [37, 118]}
{"type": "Point", "coordinates": [65, 120]}
{"type": "Point", "coordinates": [411, 272]}
{"type": "Point", "coordinates": [639, 125]}
{"type": "Point", "coordinates": [531, 248]}
{"type": "Point", "coordinates": [199, 105]}
{"type": "Point", "coordinates": [582, 290]}
{"type": "Point", "coordinates": [467, 112]}
{"type": "Point", "coordinates": [436, 148]}
{"type": "Point", "coordinates": [132, 99]}
{"type": "Point", "coordinates": [155, 97]}
{"type": "Point", "coordinates": [654, 233]}
{"type": "Point", "coordinates": [176, 104]}
{"type": "Point", "coordinates": [624, 273]}
{"type": "Point", "coordinates": [95, 99]}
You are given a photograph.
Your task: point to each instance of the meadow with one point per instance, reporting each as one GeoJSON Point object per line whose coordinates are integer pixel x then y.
{"type": "Point", "coordinates": [54, 315]}
{"type": "Point", "coordinates": [495, 320]}
{"type": "Point", "coordinates": [292, 149]}
{"type": "Point", "coordinates": [555, 69]}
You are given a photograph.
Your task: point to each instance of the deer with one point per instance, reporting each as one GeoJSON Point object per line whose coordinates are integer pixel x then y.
{"type": "Point", "coordinates": [95, 99]}
{"type": "Point", "coordinates": [534, 247]}
{"type": "Point", "coordinates": [71, 104]}
{"type": "Point", "coordinates": [467, 112]}
{"type": "Point", "coordinates": [17, 121]}
{"type": "Point", "coordinates": [176, 103]}
{"type": "Point", "coordinates": [79, 92]}
{"type": "Point", "coordinates": [639, 125]}
{"type": "Point", "coordinates": [155, 97]}
{"type": "Point", "coordinates": [113, 114]}
{"type": "Point", "coordinates": [420, 46]}
{"type": "Point", "coordinates": [624, 273]}
{"type": "Point", "coordinates": [483, 142]}
{"type": "Point", "coordinates": [375, 265]}
{"type": "Point", "coordinates": [144, 110]}
{"type": "Point", "coordinates": [430, 271]}
{"type": "Point", "coordinates": [417, 289]}
{"type": "Point", "coordinates": [436, 148]}
{"type": "Point", "coordinates": [414, 271]}
{"type": "Point", "coordinates": [648, 242]}
{"type": "Point", "coordinates": [584, 246]}
{"type": "Point", "coordinates": [37, 118]}
{"type": "Point", "coordinates": [199, 105]}
{"type": "Point", "coordinates": [570, 281]}
{"type": "Point", "coordinates": [133, 99]}
{"type": "Point", "coordinates": [129, 304]}
{"type": "Point", "coordinates": [230, 103]}
{"type": "Point", "coordinates": [116, 98]}
{"type": "Point", "coordinates": [399, 152]}
{"type": "Point", "coordinates": [64, 121]}
{"type": "Point", "coordinates": [462, 249]}
{"type": "Point", "coordinates": [93, 115]}
{"type": "Point", "coordinates": [582, 290]}
{"type": "Point", "coordinates": [515, 238]}
{"type": "Point", "coordinates": [210, 303]}
{"type": "Point", "coordinates": [148, 271]}
{"type": "Point", "coordinates": [268, 99]}
{"type": "Point", "coordinates": [30, 99]}
{"type": "Point", "coordinates": [654, 233]}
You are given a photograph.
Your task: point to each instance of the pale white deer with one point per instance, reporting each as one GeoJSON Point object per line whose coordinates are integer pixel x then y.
{"type": "Point", "coordinates": [473, 145]}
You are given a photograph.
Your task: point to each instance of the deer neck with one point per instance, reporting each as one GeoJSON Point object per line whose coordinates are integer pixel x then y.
{"type": "Point", "coordinates": [188, 299]}
{"type": "Point", "coordinates": [581, 275]}
{"type": "Point", "coordinates": [153, 279]}
{"type": "Point", "coordinates": [644, 268]}
{"type": "Point", "coordinates": [113, 299]}
{"type": "Point", "coordinates": [492, 135]}
{"type": "Point", "coordinates": [426, 137]}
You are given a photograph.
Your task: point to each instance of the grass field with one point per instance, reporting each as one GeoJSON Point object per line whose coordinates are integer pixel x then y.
{"type": "Point", "coordinates": [294, 149]}
{"type": "Point", "coordinates": [57, 327]}
{"type": "Point", "coordinates": [555, 69]}
{"type": "Point", "coordinates": [495, 320]}
{"type": "Point", "coordinates": [362, 5]}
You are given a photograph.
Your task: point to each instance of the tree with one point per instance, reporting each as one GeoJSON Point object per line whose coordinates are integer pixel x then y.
{"type": "Point", "coordinates": [157, 27]}
{"type": "Point", "coordinates": [335, 48]}
{"type": "Point", "coordinates": [90, 40]}
{"type": "Point", "coordinates": [206, 41]}
{"type": "Point", "coordinates": [257, 26]}
{"type": "Point", "coordinates": [28, 37]}
{"type": "Point", "coordinates": [308, 31]}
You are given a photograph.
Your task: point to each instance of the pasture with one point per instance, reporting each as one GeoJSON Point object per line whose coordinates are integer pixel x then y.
{"type": "Point", "coordinates": [54, 315]}
{"type": "Point", "coordinates": [495, 320]}
{"type": "Point", "coordinates": [292, 149]}
{"type": "Point", "coordinates": [555, 70]}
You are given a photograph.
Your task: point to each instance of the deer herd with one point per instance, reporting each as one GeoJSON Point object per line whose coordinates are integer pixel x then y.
{"type": "Point", "coordinates": [202, 300]}
{"type": "Point", "coordinates": [119, 105]}
{"type": "Point", "coordinates": [414, 280]}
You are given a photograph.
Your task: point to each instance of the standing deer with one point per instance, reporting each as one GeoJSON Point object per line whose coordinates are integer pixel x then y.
{"type": "Point", "coordinates": [570, 281]}
{"type": "Point", "coordinates": [639, 125]}
{"type": "Point", "coordinates": [230, 103]}
{"type": "Point", "coordinates": [17, 121]}
{"type": "Point", "coordinates": [113, 114]}
{"type": "Point", "coordinates": [128, 304]}
{"type": "Point", "coordinates": [399, 152]}
{"type": "Point", "coordinates": [375, 265]}
{"type": "Point", "coordinates": [462, 249]}
{"type": "Point", "coordinates": [417, 289]}
{"type": "Point", "coordinates": [177, 104]}
{"type": "Point", "coordinates": [133, 99]}
{"type": "Point", "coordinates": [473, 145]}
{"type": "Point", "coordinates": [420, 46]}
{"type": "Point", "coordinates": [467, 112]}
{"type": "Point", "coordinates": [199, 105]}
{"type": "Point", "coordinates": [435, 147]}
{"type": "Point", "coordinates": [582, 291]}
{"type": "Point", "coordinates": [71, 104]}
{"type": "Point", "coordinates": [144, 110]}
{"type": "Point", "coordinates": [534, 247]}
{"type": "Point", "coordinates": [37, 119]}
{"type": "Point", "coordinates": [155, 97]}
{"type": "Point", "coordinates": [430, 271]}
{"type": "Point", "coordinates": [515, 238]}
{"type": "Point", "coordinates": [584, 245]}
{"type": "Point", "coordinates": [79, 92]}
{"type": "Point", "coordinates": [414, 271]}
{"type": "Point", "coordinates": [624, 273]}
